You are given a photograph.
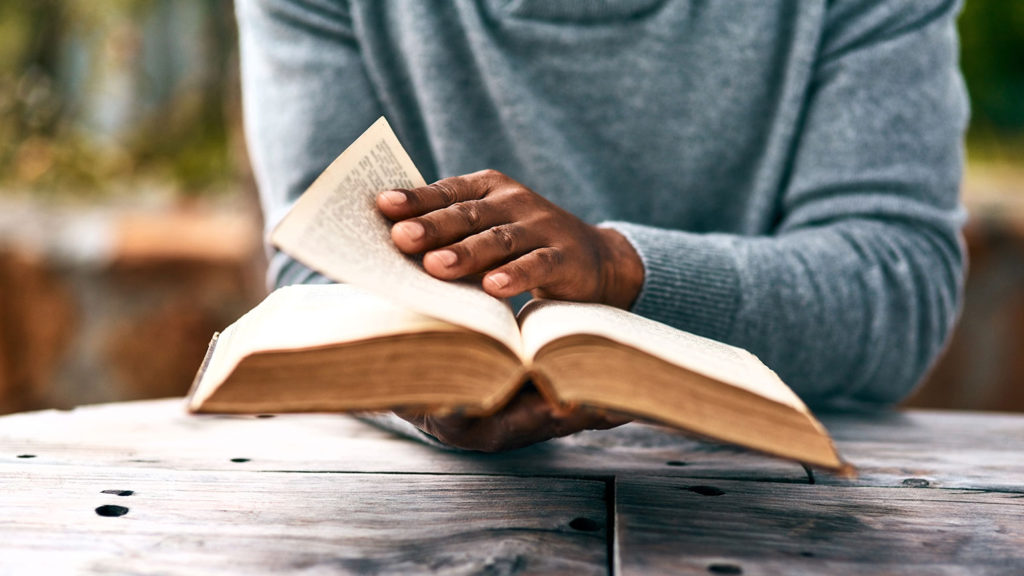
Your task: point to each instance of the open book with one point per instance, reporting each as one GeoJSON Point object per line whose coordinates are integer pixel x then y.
{"type": "Point", "coordinates": [393, 336]}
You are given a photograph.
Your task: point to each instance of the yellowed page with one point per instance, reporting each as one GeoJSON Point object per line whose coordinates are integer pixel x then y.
{"type": "Point", "coordinates": [336, 229]}
{"type": "Point", "coordinates": [306, 316]}
{"type": "Point", "coordinates": [544, 321]}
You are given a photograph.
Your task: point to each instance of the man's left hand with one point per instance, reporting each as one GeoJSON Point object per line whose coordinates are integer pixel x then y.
{"type": "Point", "coordinates": [488, 224]}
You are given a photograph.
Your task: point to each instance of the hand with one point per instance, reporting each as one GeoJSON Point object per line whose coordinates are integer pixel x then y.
{"type": "Point", "coordinates": [488, 224]}
{"type": "Point", "coordinates": [527, 419]}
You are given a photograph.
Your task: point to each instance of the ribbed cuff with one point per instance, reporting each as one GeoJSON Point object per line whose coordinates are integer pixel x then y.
{"type": "Point", "coordinates": [690, 280]}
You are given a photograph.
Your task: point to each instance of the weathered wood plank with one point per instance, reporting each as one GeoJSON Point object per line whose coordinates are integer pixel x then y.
{"type": "Point", "coordinates": [698, 526]}
{"type": "Point", "coordinates": [942, 449]}
{"type": "Point", "coordinates": [219, 522]}
{"type": "Point", "coordinates": [248, 494]}
{"type": "Point", "coordinates": [161, 434]}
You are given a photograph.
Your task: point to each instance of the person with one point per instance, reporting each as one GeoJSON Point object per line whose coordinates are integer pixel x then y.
{"type": "Point", "coordinates": [782, 176]}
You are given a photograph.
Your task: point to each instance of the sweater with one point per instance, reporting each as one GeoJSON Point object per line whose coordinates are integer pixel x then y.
{"type": "Point", "coordinates": [787, 171]}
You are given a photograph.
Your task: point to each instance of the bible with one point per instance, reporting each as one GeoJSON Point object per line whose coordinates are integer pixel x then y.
{"type": "Point", "coordinates": [389, 336]}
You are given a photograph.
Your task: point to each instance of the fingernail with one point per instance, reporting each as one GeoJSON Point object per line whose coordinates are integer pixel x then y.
{"type": "Point", "coordinates": [412, 230]}
{"type": "Point", "coordinates": [447, 258]}
{"type": "Point", "coordinates": [394, 197]}
{"type": "Point", "coordinates": [499, 280]}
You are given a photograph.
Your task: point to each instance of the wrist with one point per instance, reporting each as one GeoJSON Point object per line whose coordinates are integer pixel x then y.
{"type": "Point", "coordinates": [622, 270]}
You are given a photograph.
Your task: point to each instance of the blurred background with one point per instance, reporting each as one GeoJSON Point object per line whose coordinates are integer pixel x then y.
{"type": "Point", "coordinates": [129, 225]}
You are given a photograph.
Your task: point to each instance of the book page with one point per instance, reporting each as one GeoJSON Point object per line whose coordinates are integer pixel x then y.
{"type": "Point", "coordinates": [312, 315]}
{"type": "Point", "coordinates": [545, 321]}
{"type": "Point", "coordinates": [336, 229]}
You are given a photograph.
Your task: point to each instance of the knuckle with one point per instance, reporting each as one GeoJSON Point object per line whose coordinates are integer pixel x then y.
{"type": "Point", "coordinates": [469, 212]}
{"type": "Point", "coordinates": [527, 205]}
{"type": "Point", "coordinates": [412, 198]}
{"type": "Point", "coordinates": [550, 259]}
{"type": "Point", "coordinates": [517, 271]}
{"type": "Point", "coordinates": [505, 237]}
{"type": "Point", "coordinates": [430, 228]}
{"type": "Point", "coordinates": [466, 256]}
{"type": "Point", "coordinates": [517, 193]}
{"type": "Point", "coordinates": [445, 191]}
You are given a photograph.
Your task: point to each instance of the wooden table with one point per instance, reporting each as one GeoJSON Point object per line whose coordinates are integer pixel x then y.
{"type": "Point", "coordinates": [143, 488]}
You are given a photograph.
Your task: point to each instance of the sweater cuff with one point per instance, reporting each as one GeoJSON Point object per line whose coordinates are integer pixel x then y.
{"type": "Point", "coordinates": [691, 280]}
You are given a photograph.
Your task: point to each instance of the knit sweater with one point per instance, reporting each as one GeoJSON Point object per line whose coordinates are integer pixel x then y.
{"type": "Point", "coordinates": [787, 171]}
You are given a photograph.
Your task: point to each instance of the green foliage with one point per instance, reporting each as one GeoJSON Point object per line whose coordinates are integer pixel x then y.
{"type": "Point", "coordinates": [54, 57]}
{"type": "Point", "coordinates": [992, 57]}
{"type": "Point", "coordinates": [186, 141]}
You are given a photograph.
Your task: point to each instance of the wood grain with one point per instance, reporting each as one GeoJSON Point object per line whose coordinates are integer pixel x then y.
{"type": "Point", "coordinates": [938, 493]}
{"type": "Point", "coordinates": [942, 449]}
{"type": "Point", "coordinates": [257, 523]}
{"type": "Point", "coordinates": [687, 526]}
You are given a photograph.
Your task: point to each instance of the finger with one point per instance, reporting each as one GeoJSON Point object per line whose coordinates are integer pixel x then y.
{"type": "Point", "coordinates": [539, 268]}
{"type": "Point", "coordinates": [446, 226]}
{"type": "Point", "coordinates": [403, 204]}
{"type": "Point", "coordinates": [600, 419]}
{"type": "Point", "coordinates": [448, 429]}
{"type": "Point", "coordinates": [481, 252]}
{"type": "Point", "coordinates": [527, 419]}
{"type": "Point", "coordinates": [520, 423]}
{"type": "Point", "coordinates": [532, 419]}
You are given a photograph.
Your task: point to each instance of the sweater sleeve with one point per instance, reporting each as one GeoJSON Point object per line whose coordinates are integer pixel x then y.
{"type": "Point", "coordinates": [853, 293]}
{"type": "Point", "coordinates": [299, 58]}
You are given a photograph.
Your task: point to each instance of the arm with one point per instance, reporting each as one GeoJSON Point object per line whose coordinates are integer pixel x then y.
{"type": "Point", "coordinates": [856, 290]}
{"type": "Point", "coordinates": [852, 291]}
{"type": "Point", "coordinates": [297, 57]}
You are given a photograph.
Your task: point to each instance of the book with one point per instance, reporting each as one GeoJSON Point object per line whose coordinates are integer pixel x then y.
{"type": "Point", "coordinates": [390, 336]}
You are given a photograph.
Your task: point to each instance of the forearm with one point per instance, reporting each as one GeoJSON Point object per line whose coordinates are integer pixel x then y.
{"type": "Point", "coordinates": [299, 58]}
{"type": "Point", "coordinates": [854, 285]}
{"type": "Point", "coordinates": [857, 309]}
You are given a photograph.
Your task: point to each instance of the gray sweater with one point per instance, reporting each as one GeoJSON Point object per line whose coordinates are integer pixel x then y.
{"type": "Point", "coordinates": [787, 170]}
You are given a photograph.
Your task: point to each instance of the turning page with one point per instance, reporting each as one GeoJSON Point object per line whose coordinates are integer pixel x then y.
{"type": "Point", "coordinates": [336, 229]}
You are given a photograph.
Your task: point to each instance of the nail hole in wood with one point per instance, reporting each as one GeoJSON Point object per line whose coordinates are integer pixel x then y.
{"type": "Point", "coordinates": [705, 490]}
{"type": "Point", "coordinates": [584, 525]}
{"type": "Point", "coordinates": [675, 463]}
{"type": "Point", "coordinates": [118, 492]}
{"type": "Point", "coordinates": [239, 459]}
{"type": "Point", "coordinates": [111, 510]}
{"type": "Point", "coordinates": [26, 455]}
{"type": "Point", "coordinates": [725, 569]}
{"type": "Point", "coordinates": [264, 415]}
{"type": "Point", "coordinates": [916, 483]}
{"type": "Point", "coordinates": [807, 554]}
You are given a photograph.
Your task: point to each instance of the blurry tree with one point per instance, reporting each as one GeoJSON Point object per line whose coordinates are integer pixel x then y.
{"type": "Point", "coordinates": [101, 94]}
{"type": "Point", "coordinates": [992, 42]}
{"type": "Point", "coordinates": [104, 94]}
